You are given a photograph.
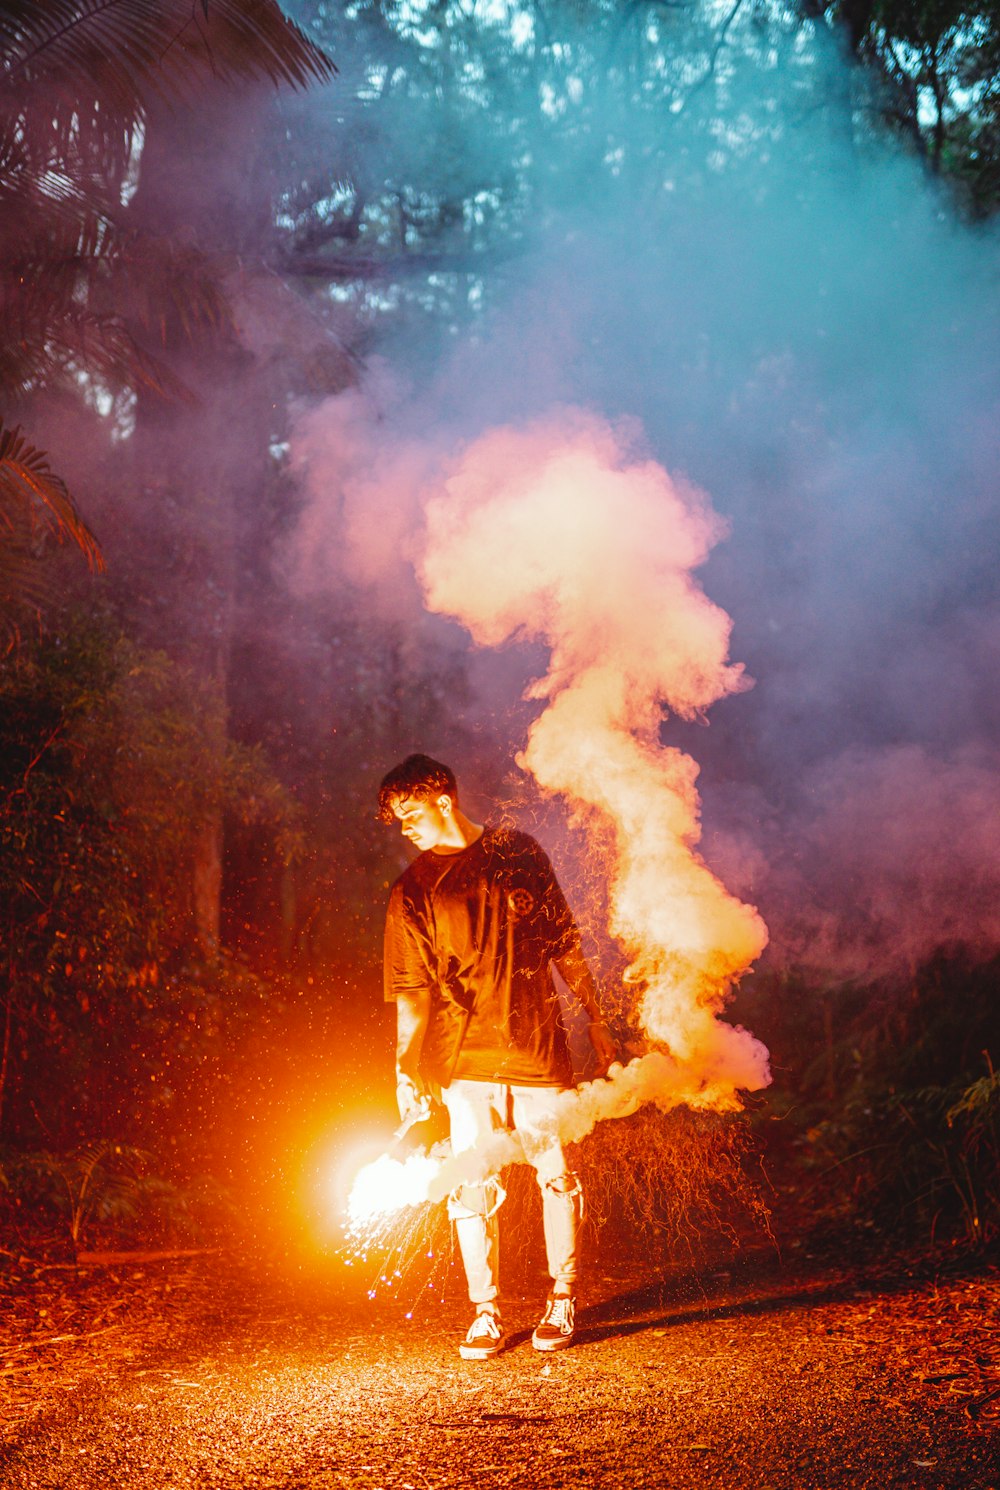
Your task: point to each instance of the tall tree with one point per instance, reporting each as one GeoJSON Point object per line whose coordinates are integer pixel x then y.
{"type": "Point", "coordinates": [77, 80]}
{"type": "Point", "coordinates": [933, 73]}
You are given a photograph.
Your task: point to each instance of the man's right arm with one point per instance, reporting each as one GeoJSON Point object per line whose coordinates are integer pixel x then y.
{"type": "Point", "coordinates": [412, 1016]}
{"type": "Point", "coordinates": [407, 985]}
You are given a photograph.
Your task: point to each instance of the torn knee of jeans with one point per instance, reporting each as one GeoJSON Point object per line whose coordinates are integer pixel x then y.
{"type": "Point", "coordinates": [563, 1184]}
{"type": "Point", "coordinates": [476, 1200]}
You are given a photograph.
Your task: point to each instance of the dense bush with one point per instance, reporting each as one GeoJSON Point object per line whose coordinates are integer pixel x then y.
{"type": "Point", "coordinates": [114, 764]}
{"type": "Point", "coordinates": [887, 1100]}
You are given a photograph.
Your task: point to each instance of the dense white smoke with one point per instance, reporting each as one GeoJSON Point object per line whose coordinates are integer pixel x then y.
{"type": "Point", "coordinates": [388, 1184]}
{"type": "Point", "coordinates": [550, 533]}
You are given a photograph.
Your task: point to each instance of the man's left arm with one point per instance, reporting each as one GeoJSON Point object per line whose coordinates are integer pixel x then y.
{"type": "Point", "coordinates": [568, 958]}
{"type": "Point", "coordinates": [577, 976]}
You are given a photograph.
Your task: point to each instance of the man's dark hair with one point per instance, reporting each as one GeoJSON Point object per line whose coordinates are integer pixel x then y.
{"type": "Point", "coordinates": [418, 776]}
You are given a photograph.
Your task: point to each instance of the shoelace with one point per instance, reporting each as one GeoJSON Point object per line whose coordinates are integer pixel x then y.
{"type": "Point", "coordinates": [560, 1313]}
{"type": "Point", "coordinates": [486, 1324]}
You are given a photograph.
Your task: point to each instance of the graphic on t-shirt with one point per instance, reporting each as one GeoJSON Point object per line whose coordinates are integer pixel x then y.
{"type": "Point", "coordinates": [521, 902]}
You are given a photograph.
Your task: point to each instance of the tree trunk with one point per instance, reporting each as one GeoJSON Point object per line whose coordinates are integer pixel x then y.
{"type": "Point", "coordinates": [201, 463]}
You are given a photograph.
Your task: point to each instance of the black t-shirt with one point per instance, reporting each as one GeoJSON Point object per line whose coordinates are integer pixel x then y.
{"type": "Point", "coordinates": [479, 929]}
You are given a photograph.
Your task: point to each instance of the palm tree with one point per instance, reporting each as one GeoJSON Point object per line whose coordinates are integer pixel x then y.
{"type": "Point", "coordinates": [77, 78]}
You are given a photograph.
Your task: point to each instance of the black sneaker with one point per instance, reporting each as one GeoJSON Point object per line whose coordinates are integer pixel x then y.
{"type": "Point", "coordinates": [558, 1323]}
{"type": "Point", "coordinates": [485, 1338]}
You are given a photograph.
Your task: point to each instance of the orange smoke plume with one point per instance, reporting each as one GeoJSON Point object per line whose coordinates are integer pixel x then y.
{"type": "Point", "coordinates": [549, 533]}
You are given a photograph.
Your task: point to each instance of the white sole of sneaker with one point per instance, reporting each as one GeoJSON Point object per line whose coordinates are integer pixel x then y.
{"type": "Point", "coordinates": [552, 1344]}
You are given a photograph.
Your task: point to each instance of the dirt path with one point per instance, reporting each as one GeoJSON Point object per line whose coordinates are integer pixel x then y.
{"type": "Point", "coordinates": [196, 1374]}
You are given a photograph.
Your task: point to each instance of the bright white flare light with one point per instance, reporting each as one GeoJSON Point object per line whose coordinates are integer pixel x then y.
{"type": "Point", "coordinates": [387, 1186]}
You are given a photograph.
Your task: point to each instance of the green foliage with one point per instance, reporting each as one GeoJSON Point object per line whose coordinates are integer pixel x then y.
{"type": "Point", "coordinates": [96, 1181]}
{"type": "Point", "coordinates": [514, 111]}
{"type": "Point", "coordinates": [970, 1155]}
{"type": "Point", "coordinates": [884, 1113]}
{"type": "Point", "coordinates": [925, 1160]}
{"type": "Point", "coordinates": [112, 758]}
{"type": "Point", "coordinates": [935, 70]}
{"type": "Point", "coordinates": [514, 114]}
{"type": "Point", "coordinates": [109, 1193]}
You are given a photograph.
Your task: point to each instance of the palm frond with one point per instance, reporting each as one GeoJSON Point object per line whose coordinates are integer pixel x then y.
{"type": "Point", "coordinates": [81, 294]}
{"type": "Point", "coordinates": [77, 350]}
{"type": "Point", "coordinates": [123, 48]}
{"type": "Point", "coordinates": [36, 510]}
{"type": "Point", "coordinates": [137, 276]}
{"type": "Point", "coordinates": [29, 586]}
{"type": "Point", "coordinates": [40, 159]}
{"type": "Point", "coordinates": [34, 499]}
{"type": "Point", "coordinates": [76, 81]}
{"type": "Point", "coordinates": [77, 78]}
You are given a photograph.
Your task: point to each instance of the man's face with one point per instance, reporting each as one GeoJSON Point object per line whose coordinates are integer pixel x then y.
{"type": "Point", "coordinates": [424, 821]}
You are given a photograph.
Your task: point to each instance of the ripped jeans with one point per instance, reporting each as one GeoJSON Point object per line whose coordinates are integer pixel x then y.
{"type": "Point", "coordinates": [477, 1109]}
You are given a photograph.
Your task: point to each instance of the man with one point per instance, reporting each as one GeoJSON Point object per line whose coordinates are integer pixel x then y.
{"type": "Point", "coordinates": [473, 928]}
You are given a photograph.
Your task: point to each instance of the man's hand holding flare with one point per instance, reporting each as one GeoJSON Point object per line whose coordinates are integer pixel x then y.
{"type": "Point", "coordinates": [413, 1103]}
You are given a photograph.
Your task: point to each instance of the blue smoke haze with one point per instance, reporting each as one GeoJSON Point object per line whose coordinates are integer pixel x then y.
{"type": "Point", "coordinates": [798, 325]}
